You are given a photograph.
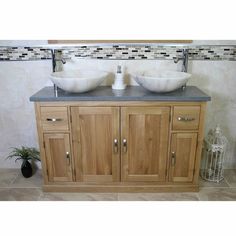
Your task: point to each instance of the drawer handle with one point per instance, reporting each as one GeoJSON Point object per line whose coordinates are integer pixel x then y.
{"type": "Point", "coordinates": [185, 119]}
{"type": "Point", "coordinates": [124, 145]}
{"type": "Point", "coordinates": [173, 158]}
{"type": "Point", "coordinates": [54, 119]}
{"type": "Point", "coordinates": [115, 146]}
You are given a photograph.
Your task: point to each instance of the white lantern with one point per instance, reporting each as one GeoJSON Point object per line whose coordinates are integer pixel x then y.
{"type": "Point", "coordinates": [214, 155]}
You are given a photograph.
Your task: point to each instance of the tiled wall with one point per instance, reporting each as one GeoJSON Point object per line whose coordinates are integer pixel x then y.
{"type": "Point", "coordinates": [20, 79]}
{"type": "Point", "coordinates": [121, 52]}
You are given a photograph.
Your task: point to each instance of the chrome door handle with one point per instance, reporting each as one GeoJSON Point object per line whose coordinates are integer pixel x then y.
{"type": "Point", "coordinates": [53, 119]}
{"type": "Point", "coordinates": [173, 158]}
{"type": "Point", "coordinates": [68, 157]}
{"type": "Point", "coordinates": [185, 119]}
{"type": "Point", "coordinates": [124, 145]}
{"type": "Point", "coordinates": [115, 146]}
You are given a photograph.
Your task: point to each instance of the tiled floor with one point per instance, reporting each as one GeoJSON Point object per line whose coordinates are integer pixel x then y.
{"type": "Point", "coordinates": [14, 187]}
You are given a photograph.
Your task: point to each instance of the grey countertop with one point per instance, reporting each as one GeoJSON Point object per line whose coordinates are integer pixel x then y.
{"type": "Point", "coordinates": [131, 93]}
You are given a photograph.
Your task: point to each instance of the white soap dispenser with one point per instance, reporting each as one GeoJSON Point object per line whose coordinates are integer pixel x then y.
{"type": "Point", "coordinates": [119, 79]}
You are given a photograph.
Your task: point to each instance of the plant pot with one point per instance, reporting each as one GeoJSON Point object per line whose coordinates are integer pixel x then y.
{"type": "Point", "coordinates": [26, 169]}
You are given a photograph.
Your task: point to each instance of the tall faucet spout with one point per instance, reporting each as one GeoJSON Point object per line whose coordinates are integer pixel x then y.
{"type": "Point", "coordinates": [185, 60]}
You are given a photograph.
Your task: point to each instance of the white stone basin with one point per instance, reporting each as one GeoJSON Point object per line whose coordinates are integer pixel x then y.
{"type": "Point", "coordinates": [78, 81]}
{"type": "Point", "coordinates": [161, 81]}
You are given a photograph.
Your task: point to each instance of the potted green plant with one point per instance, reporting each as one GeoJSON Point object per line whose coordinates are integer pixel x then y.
{"type": "Point", "coordinates": [25, 154]}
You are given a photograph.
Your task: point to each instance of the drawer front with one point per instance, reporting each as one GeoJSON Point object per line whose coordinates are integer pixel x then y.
{"type": "Point", "coordinates": [54, 118]}
{"type": "Point", "coordinates": [186, 117]}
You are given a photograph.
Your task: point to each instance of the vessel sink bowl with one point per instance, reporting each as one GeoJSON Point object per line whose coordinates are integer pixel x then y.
{"type": "Point", "coordinates": [161, 81]}
{"type": "Point", "coordinates": [78, 81]}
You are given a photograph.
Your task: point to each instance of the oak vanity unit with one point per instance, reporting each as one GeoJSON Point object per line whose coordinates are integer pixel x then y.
{"type": "Point", "coordinates": [128, 141]}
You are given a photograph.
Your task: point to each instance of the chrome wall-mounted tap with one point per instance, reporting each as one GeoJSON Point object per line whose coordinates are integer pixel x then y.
{"type": "Point", "coordinates": [54, 64]}
{"type": "Point", "coordinates": [54, 60]}
{"type": "Point", "coordinates": [185, 63]}
{"type": "Point", "coordinates": [185, 60]}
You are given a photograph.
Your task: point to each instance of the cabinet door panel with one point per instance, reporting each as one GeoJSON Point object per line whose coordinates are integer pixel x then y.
{"type": "Point", "coordinates": [183, 151]}
{"type": "Point", "coordinates": [146, 132]}
{"type": "Point", "coordinates": [58, 162]}
{"type": "Point", "coordinates": [94, 131]}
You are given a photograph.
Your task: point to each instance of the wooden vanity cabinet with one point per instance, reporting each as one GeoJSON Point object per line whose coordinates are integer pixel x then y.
{"type": "Point", "coordinates": [121, 146]}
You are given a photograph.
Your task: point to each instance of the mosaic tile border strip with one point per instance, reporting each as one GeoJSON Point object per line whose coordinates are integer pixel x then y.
{"type": "Point", "coordinates": [123, 52]}
{"type": "Point", "coordinates": [213, 53]}
{"type": "Point", "coordinates": [24, 53]}
{"type": "Point", "coordinates": [120, 52]}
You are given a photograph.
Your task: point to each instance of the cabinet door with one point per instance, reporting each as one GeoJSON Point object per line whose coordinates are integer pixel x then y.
{"type": "Point", "coordinates": [96, 143]}
{"type": "Point", "coordinates": [182, 156]}
{"type": "Point", "coordinates": [144, 143]}
{"type": "Point", "coordinates": [58, 157]}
